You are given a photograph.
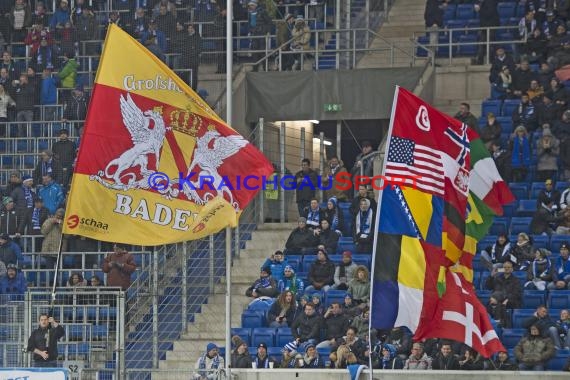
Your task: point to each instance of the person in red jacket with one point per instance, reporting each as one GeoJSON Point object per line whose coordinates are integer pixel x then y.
{"type": "Point", "coordinates": [119, 266]}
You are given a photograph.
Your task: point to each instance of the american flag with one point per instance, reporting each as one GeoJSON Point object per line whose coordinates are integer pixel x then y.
{"type": "Point", "coordinates": [406, 159]}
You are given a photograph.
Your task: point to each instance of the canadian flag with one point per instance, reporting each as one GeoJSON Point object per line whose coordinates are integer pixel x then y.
{"type": "Point", "coordinates": [460, 316]}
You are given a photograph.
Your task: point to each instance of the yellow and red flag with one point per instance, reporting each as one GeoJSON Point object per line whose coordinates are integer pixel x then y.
{"type": "Point", "coordinates": [156, 165]}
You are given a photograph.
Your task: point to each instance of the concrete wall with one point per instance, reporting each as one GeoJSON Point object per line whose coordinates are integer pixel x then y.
{"type": "Point", "coordinates": [287, 374]}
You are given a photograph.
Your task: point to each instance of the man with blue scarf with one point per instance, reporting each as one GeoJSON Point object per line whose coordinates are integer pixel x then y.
{"type": "Point", "coordinates": [363, 227]}
{"type": "Point", "coordinates": [561, 269]}
{"type": "Point", "coordinates": [209, 362]}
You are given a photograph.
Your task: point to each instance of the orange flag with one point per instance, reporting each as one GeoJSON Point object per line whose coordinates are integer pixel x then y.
{"type": "Point", "coordinates": [156, 165]}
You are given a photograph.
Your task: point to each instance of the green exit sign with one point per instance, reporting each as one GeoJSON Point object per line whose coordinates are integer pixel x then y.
{"type": "Point", "coordinates": [333, 107]}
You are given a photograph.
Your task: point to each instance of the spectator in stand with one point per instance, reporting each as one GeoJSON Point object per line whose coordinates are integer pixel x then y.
{"type": "Point", "coordinates": [61, 15]}
{"type": "Point", "coordinates": [564, 199]}
{"type": "Point", "coordinates": [219, 31]}
{"type": "Point", "coordinates": [557, 91]}
{"type": "Point", "coordinates": [540, 272]}
{"type": "Point", "coordinates": [327, 237]}
{"type": "Point", "coordinates": [39, 16]}
{"type": "Point", "coordinates": [95, 282]}
{"type": "Point", "coordinates": [36, 35]}
{"type": "Point", "coordinates": [335, 325]}
{"type": "Point", "coordinates": [23, 196]}
{"type": "Point", "coordinates": [44, 57]}
{"type": "Point", "coordinates": [13, 283]}
{"type": "Point", "coordinates": [169, 5]}
{"type": "Point", "coordinates": [191, 55]}
{"type": "Point", "coordinates": [64, 151]}
{"type": "Point", "coordinates": [68, 74]}
{"type": "Point", "coordinates": [31, 223]}
{"type": "Point", "coordinates": [314, 214]}
{"type": "Point", "coordinates": [400, 338]}
{"type": "Point", "coordinates": [321, 273]}
{"type": "Point", "coordinates": [525, 114]}
{"type": "Point", "coordinates": [301, 34]}
{"type": "Point", "coordinates": [502, 158]}
{"type": "Point", "coordinates": [546, 325]}
{"type": "Point", "coordinates": [264, 286]}
{"type": "Point", "coordinates": [495, 255]}
{"type": "Point", "coordinates": [359, 286]}
{"type": "Point", "coordinates": [24, 96]}
{"type": "Point", "coordinates": [535, 91]}
{"type": "Point", "coordinates": [332, 170]}
{"type": "Point", "coordinates": [140, 23]}
{"type": "Point", "coordinates": [534, 351]}
{"type": "Point", "coordinates": [498, 63]}
{"type": "Point", "coordinates": [522, 253]}
{"type": "Point", "coordinates": [165, 21]}
{"type": "Point", "coordinates": [75, 109]}
{"type": "Point", "coordinates": [290, 282]}
{"type": "Point", "coordinates": [87, 29]}
{"type": "Point", "coordinates": [563, 225]}
{"type": "Point", "coordinates": [558, 47]}
{"type": "Point", "coordinates": [48, 165]}
{"type": "Point", "coordinates": [389, 359]}
{"type": "Point", "coordinates": [8, 217]}
{"type": "Point", "coordinates": [544, 220]}
{"type": "Point", "coordinates": [10, 252]}
{"type": "Point", "coordinates": [283, 311]}
{"type": "Point", "coordinates": [119, 266]}
{"type": "Point", "coordinates": [333, 214]}
{"type": "Point", "coordinates": [502, 362]}
{"type": "Point", "coordinates": [302, 239]}
{"type": "Point", "coordinates": [52, 193]}
{"type": "Point", "coordinates": [351, 350]}
{"type": "Point", "coordinates": [547, 111]}
{"type": "Point", "coordinates": [363, 192]}
{"type": "Point", "coordinates": [207, 365]}
{"type": "Point", "coordinates": [48, 95]}
{"type": "Point", "coordinates": [259, 25]}
{"type": "Point", "coordinates": [563, 325]}
{"type": "Point", "coordinates": [549, 193]}
{"type": "Point", "coordinates": [5, 102]}
{"type": "Point", "coordinates": [344, 271]}
{"type": "Point", "coordinates": [240, 356]}
{"type": "Point", "coordinates": [445, 359]}
{"type": "Point", "coordinates": [306, 182]}
{"type": "Point", "coordinates": [76, 279]}
{"type": "Point", "coordinates": [522, 76]}
{"type": "Point", "coordinates": [498, 313]}
{"type": "Point", "coordinates": [561, 269]}
{"type": "Point", "coordinates": [548, 150]}
{"type": "Point", "coordinates": [306, 328]}
{"type": "Point", "coordinates": [5, 80]}
{"type": "Point", "coordinates": [565, 163]}
{"type": "Point", "coordinates": [316, 300]}
{"type": "Point", "coordinates": [363, 227]}
{"type": "Point", "coordinates": [489, 17]}
{"type": "Point", "coordinates": [527, 24]}
{"type": "Point", "coordinates": [561, 128]}
{"type": "Point", "coordinates": [491, 131]}
{"type": "Point", "coordinates": [276, 263]}
{"type": "Point", "coordinates": [465, 116]}
{"type": "Point", "coordinates": [10, 65]}
{"type": "Point", "coordinates": [363, 164]}
{"type": "Point", "coordinates": [43, 342]}
{"type": "Point", "coordinates": [115, 19]}
{"type": "Point", "coordinates": [418, 359]}
{"type": "Point", "coordinates": [433, 17]}
{"type": "Point", "coordinates": [20, 18]}
{"type": "Point", "coordinates": [520, 159]}
{"type": "Point", "coordinates": [545, 74]}
{"type": "Point", "coordinates": [52, 231]}
{"type": "Point", "coordinates": [311, 359]}
{"type": "Point", "coordinates": [506, 288]}
{"type": "Point", "coordinates": [471, 361]}
{"type": "Point", "coordinates": [536, 46]}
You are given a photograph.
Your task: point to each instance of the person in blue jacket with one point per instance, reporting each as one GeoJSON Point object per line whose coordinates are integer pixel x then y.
{"type": "Point", "coordinates": [14, 283]}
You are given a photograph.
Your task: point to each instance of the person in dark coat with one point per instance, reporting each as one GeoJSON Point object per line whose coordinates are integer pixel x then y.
{"type": "Point", "coordinates": [191, 56]}
{"type": "Point", "coordinates": [445, 359]}
{"type": "Point", "coordinates": [31, 223]}
{"type": "Point", "coordinates": [488, 17]}
{"type": "Point", "coordinates": [506, 288]}
{"type": "Point", "coordinates": [321, 273]}
{"type": "Point", "coordinates": [307, 326]}
{"type": "Point", "coordinates": [240, 356]}
{"type": "Point", "coordinates": [327, 237]}
{"type": "Point", "coordinates": [433, 14]}
{"type": "Point", "coordinates": [43, 342]}
{"type": "Point", "coordinates": [544, 218]}
{"type": "Point", "coordinates": [119, 267]}
{"type": "Point", "coordinates": [502, 362]}
{"type": "Point", "coordinates": [301, 239]}
{"type": "Point", "coordinates": [305, 185]}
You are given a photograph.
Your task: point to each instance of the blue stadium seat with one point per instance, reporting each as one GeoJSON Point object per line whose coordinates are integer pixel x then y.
{"type": "Point", "coordinates": [519, 224]}
{"type": "Point", "coordinates": [512, 336]}
{"type": "Point", "coordinates": [533, 298]}
{"type": "Point", "coordinates": [362, 259]}
{"type": "Point", "coordinates": [519, 190]}
{"type": "Point", "coordinates": [558, 362]}
{"type": "Point", "coordinates": [559, 299]}
{"type": "Point", "coordinates": [484, 296]}
{"type": "Point", "coordinates": [253, 318]}
{"type": "Point", "coordinates": [263, 335]}
{"type": "Point", "coordinates": [506, 124]}
{"type": "Point", "coordinates": [527, 207]}
{"type": "Point", "coordinates": [261, 303]}
{"type": "Point", "coordinates": [499, 226]}
{"type": "Point", "coordinates": [449, 12]}
{"type": "Point", "coordinates": [509, 105]}
{"type": "Point", "coordinates": [509, 210]}
{"type": "Point", "coordinates": [334, 295]}
{"type": "Point", "coordinates": [521, 275]}
{"type": "Point", "coordinates": [556, 241]}
{"type": "Point", "coordinates": [520, 11]}
{"type": "Point", "coordinates": [541, 241]}
{"type": "Point", "coordinates": [493, 106]}
{"type": "Point", "coordinates": [465, 12]}
{"type": "Point", "coordinates": [466, 46]}
{"type": "Point", "coordinates": [507, 9]}
{"type": "Point", "coordinates": [100, 331]}
{"type": "Point", "coordinates": [346, 246]}
{"type": "Point", "coordinates": [243, 332]}
{"type": "Point", "coordinates": [561, 186]}
{"type": "Point", "coordinates": [519, 315]}
{"type": "Point", "coordinates": [283, 336]}
{"type": "Point", "coordinates": [536, 188]}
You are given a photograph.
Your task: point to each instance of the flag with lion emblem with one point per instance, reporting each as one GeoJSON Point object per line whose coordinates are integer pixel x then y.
{"type": "Point", "coordinates": [156, 165]}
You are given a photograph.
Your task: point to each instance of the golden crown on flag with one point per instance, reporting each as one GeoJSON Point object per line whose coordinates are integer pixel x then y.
{"type": "Point", "coordinates": [179, 121]}
{"type": "Point", "coordinates": [158, 109]}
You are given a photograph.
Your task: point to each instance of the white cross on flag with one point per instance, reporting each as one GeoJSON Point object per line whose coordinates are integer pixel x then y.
{"type": "Point", "coordinates": [460, 316]}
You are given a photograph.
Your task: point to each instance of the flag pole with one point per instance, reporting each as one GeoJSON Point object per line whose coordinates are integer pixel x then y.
{"type": "Point", "coordinates": [229, 105]}
{"type": "Point", "coordinates": [377, 225]}
{"type": "Point", "coordinates": [54, 285]}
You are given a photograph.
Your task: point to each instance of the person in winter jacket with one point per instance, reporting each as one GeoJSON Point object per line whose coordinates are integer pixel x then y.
{"type": "Point", "coordinates": [264, 286]}
{"type": "Point", "coordinates": [14, 283]}
{"type": "Point", "coordinates": [307, 326]}
{"type": "Point", "coordinates": [240, 356]}
{"type": "Point", "coordinates": [344, 272]}
{"type": "Point", "coordinates": [522, 252]}
{"type": "Point", "coordinates": [359, 286]}
{"type": "Point", "coordinates": [68, 73]}
{"type": "Point", "coordinates": [534, 351]}
{"type": "Point", "coordinates": [10, 252]}
{"type": "Point", "coordinates": [276, 263]}
{"type": "Point", "coordinates": [311, 359]}
{"type": "Point", "coordinates": [445, 359]}
{"type": "Point", "coordinates": [471, 361]}
{"type": "Point", "coordinates": [521, 154]}
{"type": "Point", "coordinates": [389, 359]}
{"type": "Point", "coordinates": [540, 272]}
{"type": "Point", "coordinates": [506, 287]}
{"type": "Point", "coordinates": [321, 273]}
{"type": "Point", "coordinates": [327, 237]}
{"type": "Point", "coordinates": [119, 266]}
{"type": "Point", "coordinates": [418, 359]}
{"type": "Point", "coordinates": [563, 325]}
{"type": "Point", "coordinates": [335, 324]}
{"type": "Point", "coordinates": [283, 311]}
{"type": "Point", "coordinates": [208, 363]}
{"type": "Point", "coordinates": [495, 255]}
{"type": "Point", "coordinates": [290, 282]}
{"type": "Point", "coordinates": [351, 350]}
{"type": "Point", "coordinates": [502, 362]}
{"type": "Point", "coordinates": [301, 239]}
{"type": "Point", "coordinates": [561, 269]}
{"type": "Point", "coordinates": [546, 325]}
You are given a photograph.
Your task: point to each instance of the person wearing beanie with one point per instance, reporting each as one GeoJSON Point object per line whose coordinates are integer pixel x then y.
{"type": "Point", "coordinates": [344, 271]}
{"type": "Point", "coordinates": [259, 24]}
{"type": "Point", "coordinates": [208, 363]}
{"type": "Point", "coordinates": [240, 355]}
{"type": "Point", "coordinates": [261, 359]}
{"type": "Point", "coordinates": [276, 263]}
{"type": "Point", "coordinates": [290, 282]}
{"type": "Point", "coordinates": [389, 359]}
{"type": "Point", "coordinates": [283, 311]}
{"type": "Point", "coordinates": [13, 283]}
{"type": "Point", "coordinates": [311, 359]}
{"type": "Point", "coordinates": [23, 197]}
{"type": "Point", "coordinates": [316, 299]}
{"type": "Point", "coordinates": [302, 239]}
{"type": "Point", "coordinates": [9, 219]}
{"type": "Point", "coordinates": [264, 286]}
{"type": "Point", "coordinates": [289, 352]}
{"type": "Point", "coordinates": [10, 252]}
{"type": "Point", "coordinates": [321, 273]}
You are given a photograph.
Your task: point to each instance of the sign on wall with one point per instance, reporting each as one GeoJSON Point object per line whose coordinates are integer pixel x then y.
{"type": "Point", "coordinates": [33, 374]}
